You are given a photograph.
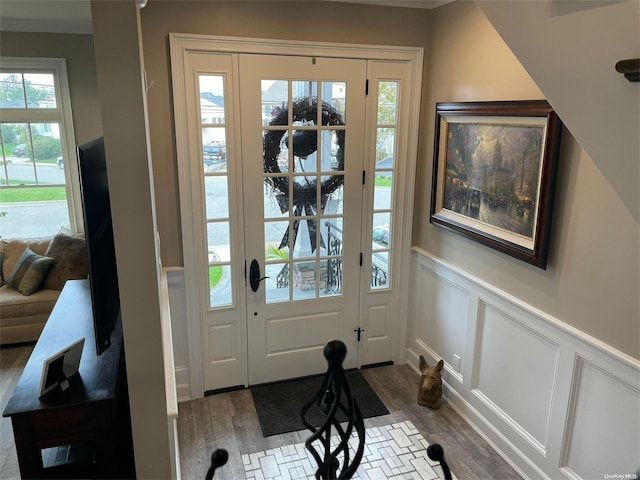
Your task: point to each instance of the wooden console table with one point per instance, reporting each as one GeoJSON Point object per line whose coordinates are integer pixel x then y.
{"type": "Point", "coordinates": [85, 431]}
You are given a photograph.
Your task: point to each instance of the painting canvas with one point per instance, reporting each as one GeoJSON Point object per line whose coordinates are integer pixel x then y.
{"type": "Point", "coordinates": [494, 174]}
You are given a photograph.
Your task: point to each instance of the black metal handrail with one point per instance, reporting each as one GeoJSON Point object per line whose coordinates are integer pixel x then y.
{"type": "Point", "coordinates": [333, 396]}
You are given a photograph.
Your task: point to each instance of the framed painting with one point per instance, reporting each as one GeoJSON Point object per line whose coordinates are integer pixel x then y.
{"type": "Point", "coordinates": [494, 174]}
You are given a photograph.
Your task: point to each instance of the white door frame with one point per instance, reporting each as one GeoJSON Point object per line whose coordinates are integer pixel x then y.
{"type": "Point", "coordinates": [180, 44]}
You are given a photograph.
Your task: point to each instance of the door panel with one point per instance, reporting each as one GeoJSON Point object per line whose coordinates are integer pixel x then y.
{"type": "Point", "coordinates": [303, 143]}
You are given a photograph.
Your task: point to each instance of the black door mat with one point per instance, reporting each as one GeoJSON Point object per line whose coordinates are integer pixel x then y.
{"type": "Point", "coordinates": [278, 404]}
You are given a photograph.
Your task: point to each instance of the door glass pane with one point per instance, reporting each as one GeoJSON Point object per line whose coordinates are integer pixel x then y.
{"type": "Point", "coordinates": [275, 98]}
{"type": "Point", "coordinates": [333, 284]}
{"type": "Point", "coordinates": [276, 151]}
{"type": "Point", "coordinates": [304, 89]}
{"type": "Point", "coordinates": [379, 269]}
{"type": "Point", "coordinates": [385, 146]}
{"type": "Point", "coordinates": [305, 280]}
{"type": "Point", "coordinates": [334, 94]}
{"type": "Point", "coordinates": [331, 231]}
{"type": "Point", "coordinates": [305, 146]}
{"type": "Point", "coordinates": [276, 241]}
{"type": "Point", "coordinates": [275, 203]}
{"type": "Point", "coordinates": [329, 151]}
{"type": "Point", "coordinates": [214, 149]}
{"type": "Point", "coordinates": [220, 285]}
{"type": "Point", "coordinates": [382, 220]}
{"type": "Point", "coordinates": [303, 236]}
{"type": "Point", "coordinates": [387, 102]}
{"type": "Point", "coordinates": [219, 256]}
{"type": "Point", "coordinates": [211, 99]}
{"type": "Point", "coordinates": [216, 197]}
{"type": "Point", "coordinates": [277, 285]}
{"type": "Point", "coordinates": [382, 191]}
{"type": "Point", "coordinates": [218, 240]}
{"type": "Point", "coordinates": [304, 195]}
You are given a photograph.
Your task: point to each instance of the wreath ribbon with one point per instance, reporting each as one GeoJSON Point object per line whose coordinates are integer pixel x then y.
{"type": "Point", "coordinates": [299, 209]}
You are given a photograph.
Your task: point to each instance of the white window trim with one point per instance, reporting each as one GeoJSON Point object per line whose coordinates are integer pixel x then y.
{"type": "Point", "coordinates": [57, 66]}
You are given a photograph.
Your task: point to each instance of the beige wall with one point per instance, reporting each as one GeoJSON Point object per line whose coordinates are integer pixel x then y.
{"type": "Point", "coordinates": [311, 21]}
{"type": "Point", "coordinates": [592, 280]}
{"type": "Point", "coordinates": [120, 80]}
{"type": "Point", "coordinates": [81, 69]}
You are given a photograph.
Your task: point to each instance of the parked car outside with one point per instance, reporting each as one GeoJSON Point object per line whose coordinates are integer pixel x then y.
{"type": "Point", "coordinates": [381, 236]}
{"type": "Point", "coordinates": [214, 153]}
{"type": "Point", "coordinates": [380, 255]}
{"type": "Point", "coordinates": [19, 149]}
{"type": "Point", "coordinates": [60, 162]}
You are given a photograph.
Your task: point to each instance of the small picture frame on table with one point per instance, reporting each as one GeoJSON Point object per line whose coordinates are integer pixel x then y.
{"type": "Point", "coordinates": [60, 367]}
{"type": "Point", "coordinates": [494, 174]}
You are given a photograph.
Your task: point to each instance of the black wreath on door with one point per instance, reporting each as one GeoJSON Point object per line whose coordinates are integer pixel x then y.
{"type": "Point", "coordinates": [305, 112]}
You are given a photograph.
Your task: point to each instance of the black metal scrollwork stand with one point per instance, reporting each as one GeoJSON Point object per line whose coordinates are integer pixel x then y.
{"type": "Point", "coordinates": [218, 459]}
{"type": "Point", "coordinates": [334, 396]}
{"type": "Point", "coordinates": [436, 453]}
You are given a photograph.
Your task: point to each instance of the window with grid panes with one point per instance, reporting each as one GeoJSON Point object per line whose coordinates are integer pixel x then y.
{"type": "Point", "coordinates": [35, 144]}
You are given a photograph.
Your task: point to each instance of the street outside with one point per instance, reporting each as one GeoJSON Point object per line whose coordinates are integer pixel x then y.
{"type": "Point", "coordinates": [22, 219]}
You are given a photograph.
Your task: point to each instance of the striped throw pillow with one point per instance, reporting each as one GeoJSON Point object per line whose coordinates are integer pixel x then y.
{"type": "Point", "coordinates": [29, 272]}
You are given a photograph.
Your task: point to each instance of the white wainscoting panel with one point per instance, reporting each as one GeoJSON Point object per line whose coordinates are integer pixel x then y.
{"type": "Point", "coordinates": [511, 357]}
{"type": "Point", "coordinates": [553, 401]}
{"type": "Point", "coordinates": [442, 308]}
{"type": "Point", "coordinates": [178, 308]}
{"type": "Point", "coordinates": [595, 393]}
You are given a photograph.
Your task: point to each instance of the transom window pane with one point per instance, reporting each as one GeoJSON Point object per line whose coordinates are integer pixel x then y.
{"type": "Point", "coordinates": [27, 90]}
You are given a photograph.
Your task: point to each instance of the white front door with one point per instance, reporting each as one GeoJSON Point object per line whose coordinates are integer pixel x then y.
{"type": "Point", "coordinates": [303, 150]}
{"type": "Point", "coordinates": [285, 163]}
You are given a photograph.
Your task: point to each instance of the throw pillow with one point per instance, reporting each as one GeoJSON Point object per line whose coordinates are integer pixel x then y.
{"type": "Point", "coordinates": [12, 248]}
{"type": "Point", "coordinates": [29, 272]}
{"type": "Point", "coordinates": [70, 254]}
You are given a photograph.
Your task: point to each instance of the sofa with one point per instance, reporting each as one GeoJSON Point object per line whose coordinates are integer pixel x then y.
{"type": "Point", "coordinates": [32, 275]}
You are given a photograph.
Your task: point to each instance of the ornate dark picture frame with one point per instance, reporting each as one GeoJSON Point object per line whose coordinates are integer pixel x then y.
{"type": "Point", "coordinates": [494, 174]}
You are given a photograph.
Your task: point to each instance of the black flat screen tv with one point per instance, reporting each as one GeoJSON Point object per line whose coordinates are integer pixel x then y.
{"type": "Point", "coordinates": [98, 228]}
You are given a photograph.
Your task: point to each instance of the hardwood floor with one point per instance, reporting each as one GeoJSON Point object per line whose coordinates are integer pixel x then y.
{"type": "Point", "coordinates": [229, 420]}
{"type": "Point", "coordinates": [13, 358]}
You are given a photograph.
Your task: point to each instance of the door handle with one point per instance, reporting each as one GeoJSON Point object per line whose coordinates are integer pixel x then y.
{"type": "Point", "coordinates": [254, 275]}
